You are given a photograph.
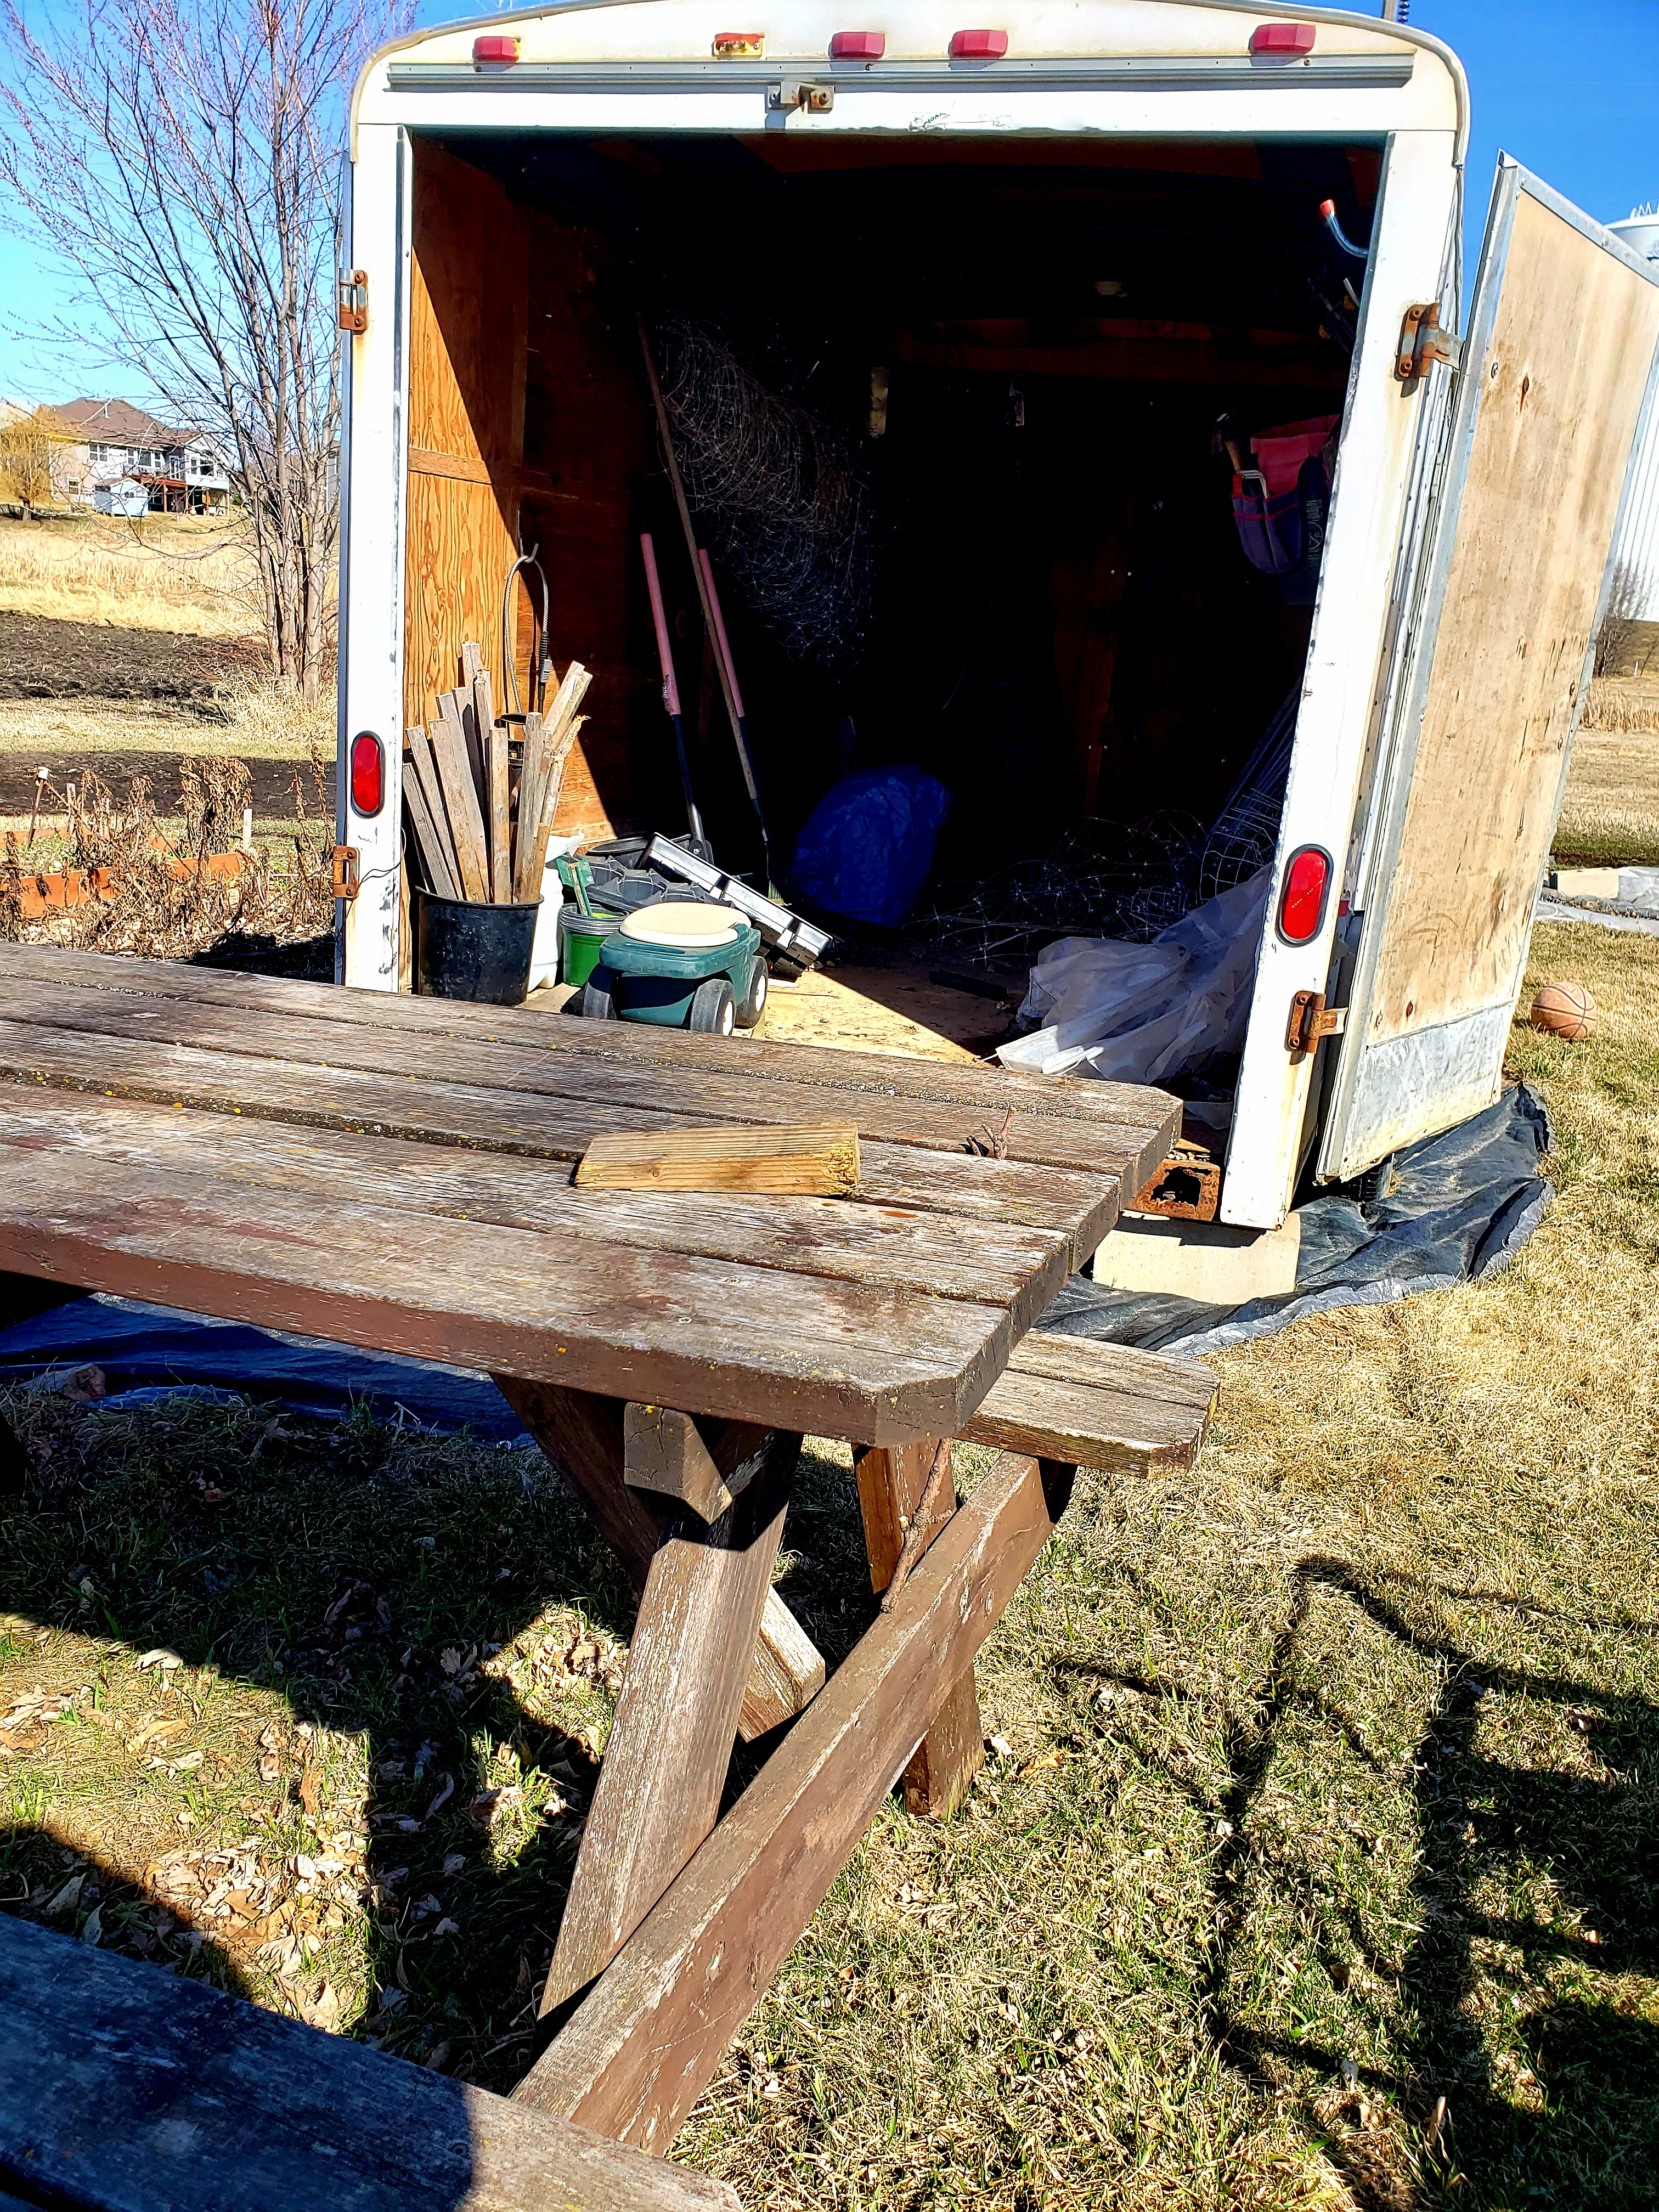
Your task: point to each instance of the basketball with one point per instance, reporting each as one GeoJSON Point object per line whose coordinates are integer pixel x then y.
{"type": "Point", "coordinates": [1564, 1010]}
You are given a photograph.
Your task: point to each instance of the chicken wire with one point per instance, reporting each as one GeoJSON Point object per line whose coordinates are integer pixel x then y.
{"type": "Point", "coordinates": [1131, 888]}
{"type": "Point", "coordinates": [789, 509]}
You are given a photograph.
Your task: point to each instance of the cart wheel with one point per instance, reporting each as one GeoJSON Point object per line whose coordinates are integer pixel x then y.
{"type": "Point", "coordinates": [712, 1009]}
{"type": "Point", "coordinates": [753, 1003]}
{"type": "Point", "coordinates": [598, 1005]}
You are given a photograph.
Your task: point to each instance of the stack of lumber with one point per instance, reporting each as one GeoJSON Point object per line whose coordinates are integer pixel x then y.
{"type": "Point", "coordinates": [479, 818]}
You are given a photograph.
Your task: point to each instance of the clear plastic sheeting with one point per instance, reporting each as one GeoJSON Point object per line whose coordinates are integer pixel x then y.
{"type": "Point", "coordinates": [1139, 1014]}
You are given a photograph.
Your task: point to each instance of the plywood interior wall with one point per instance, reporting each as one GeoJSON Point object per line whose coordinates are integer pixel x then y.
{"type": "Point", "coordinates": [468, 306]}
{"type": "Point", "coordinates": [1575, 337]}
{"type": "Point", "coordinates": [590, 443]}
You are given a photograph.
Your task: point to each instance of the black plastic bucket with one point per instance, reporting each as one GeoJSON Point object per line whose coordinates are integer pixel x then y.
{"type": "Point", "coordinates": [471, 949]}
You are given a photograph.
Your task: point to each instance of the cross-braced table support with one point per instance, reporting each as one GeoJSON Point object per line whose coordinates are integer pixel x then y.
{"type": "Point", "coordinates": [678, 1922]}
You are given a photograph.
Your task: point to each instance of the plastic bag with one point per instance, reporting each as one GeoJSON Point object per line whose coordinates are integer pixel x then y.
{"type": "Point", "coordinates": [1136, 1013]}
{"type": "Point", "coordinates": [867, 849]}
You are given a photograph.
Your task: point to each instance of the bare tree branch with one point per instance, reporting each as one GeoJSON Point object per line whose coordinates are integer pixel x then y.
{"type": "Point", "coordinates": [184, 159]}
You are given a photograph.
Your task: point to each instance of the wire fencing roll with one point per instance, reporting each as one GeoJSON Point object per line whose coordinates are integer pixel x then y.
{"type": "Point", "coordinates": [784, 496]}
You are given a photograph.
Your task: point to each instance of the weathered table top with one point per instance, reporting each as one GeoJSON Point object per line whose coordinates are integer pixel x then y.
{"type": "Point", "coordinates": [395, 1172]}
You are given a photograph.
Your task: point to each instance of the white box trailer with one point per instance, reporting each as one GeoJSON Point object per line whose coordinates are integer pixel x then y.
{"type": "Point", "coordinates": [1108, 212]}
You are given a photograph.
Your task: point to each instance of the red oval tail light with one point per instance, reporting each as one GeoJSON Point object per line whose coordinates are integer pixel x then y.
{"type": "Point", "coordinates": [368, 773]}
{"type": "Point", "coordinates": [1307, 890]}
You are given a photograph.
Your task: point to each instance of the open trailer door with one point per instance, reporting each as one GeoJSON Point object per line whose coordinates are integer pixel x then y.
{"type": "Point", "coordinates": [1554, 382]}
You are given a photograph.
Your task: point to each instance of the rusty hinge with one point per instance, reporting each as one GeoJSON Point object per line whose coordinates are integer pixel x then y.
{"type": "Point", "coordinates": [351, 301]}
{"type": "Point", "coordinates": [1311, 1019]}
{"type": "Point", "coordinates": [797, 92]}
{"type": "Point", "coordinates": [347, 872]}
{"type": "Point", "coordinates": [1423, 341]}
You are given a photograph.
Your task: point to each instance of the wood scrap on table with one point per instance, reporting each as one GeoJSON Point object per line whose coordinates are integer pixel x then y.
{"type": "Point", "coordinates": [813, 1159]}
{"type": "Point", "coordinates": [474, 831]}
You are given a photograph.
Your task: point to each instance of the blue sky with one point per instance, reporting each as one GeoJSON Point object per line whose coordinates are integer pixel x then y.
{"type": "Point", "coordinates": [1569, 87]}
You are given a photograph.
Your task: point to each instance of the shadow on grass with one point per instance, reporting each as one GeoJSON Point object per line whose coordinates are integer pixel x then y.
{"type": "Point", "coordinates": [1578, 2123]}
{"type": "Point", "coordinates": [366, 1576]}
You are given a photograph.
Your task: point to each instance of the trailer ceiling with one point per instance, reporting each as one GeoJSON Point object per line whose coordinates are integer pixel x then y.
{"type": "Point", "coordinates": [1227, 233]}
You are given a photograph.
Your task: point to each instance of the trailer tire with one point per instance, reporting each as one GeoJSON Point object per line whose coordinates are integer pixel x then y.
{"type": "Point", "coordinates": [714, 1010]}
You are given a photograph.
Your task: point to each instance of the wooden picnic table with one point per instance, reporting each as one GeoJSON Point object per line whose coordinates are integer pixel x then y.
{"type": "Point", "coordinates": [395, 1172]}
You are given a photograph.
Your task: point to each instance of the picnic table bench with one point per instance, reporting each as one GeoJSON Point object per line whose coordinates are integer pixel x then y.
{"type": "Point", "coordinates": [395, 1172]}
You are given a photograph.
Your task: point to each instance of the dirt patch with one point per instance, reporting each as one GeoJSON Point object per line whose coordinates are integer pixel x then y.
{"type": "Point", "coordinates": [41, 657]}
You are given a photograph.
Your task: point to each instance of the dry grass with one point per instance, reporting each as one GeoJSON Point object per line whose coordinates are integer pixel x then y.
{"type": "Point", "coordinates": [1332, 1786]}
{"type": "Point", "coordinates": [254, 720]}
{"type": "Point", "coordinates": [1611, 811]}
{"type": "Point", "coordinates": [164, 571]}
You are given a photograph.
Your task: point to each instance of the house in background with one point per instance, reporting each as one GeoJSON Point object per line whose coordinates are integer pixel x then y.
{"type": "Point", "coordinates": [129, 463]}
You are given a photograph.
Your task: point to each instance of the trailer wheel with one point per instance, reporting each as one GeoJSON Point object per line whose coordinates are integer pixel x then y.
{"type": "Point", "coordinates": [752, 1005]}
{"type": "Point", "coordinates": [598, 1005]}
{"type": "Point", "coordinates": [713, 1010]}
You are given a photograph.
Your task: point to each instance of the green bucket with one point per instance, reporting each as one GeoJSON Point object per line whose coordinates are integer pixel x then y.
{"type": "Point", "coordinates": [581, 940]}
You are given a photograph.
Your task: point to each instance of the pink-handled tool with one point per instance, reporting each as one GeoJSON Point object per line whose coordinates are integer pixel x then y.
{"type": "Point", "coordinates": [671, 689]}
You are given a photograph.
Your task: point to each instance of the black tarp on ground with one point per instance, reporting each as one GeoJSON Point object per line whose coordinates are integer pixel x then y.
{"type": "Point", "coordinates": [1459, 1207]}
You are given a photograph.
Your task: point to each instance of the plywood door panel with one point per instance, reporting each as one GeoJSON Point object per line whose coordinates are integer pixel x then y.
{"type": "Point", "coordinates": [468, 304]}
{"type": "Point", "coordinates": [1561, 391]}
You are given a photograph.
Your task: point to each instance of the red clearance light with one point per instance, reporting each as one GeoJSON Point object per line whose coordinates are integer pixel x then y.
{"type": "Point", "coordinates": [368, 773]}
{"type": "Point", "coordinates": [858, 46]}
{"type": "Point", "coordinates": [979, 45]}
{"type": "Point", "coordinates": [1280, 39]}
{"type": "Point", "coordinates": [1307, 889]}
{"type": "Point", "coordinates": [494, 48]}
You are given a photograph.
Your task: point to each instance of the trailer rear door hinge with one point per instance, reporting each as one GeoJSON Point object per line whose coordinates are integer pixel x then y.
{"type": "Point", "coordinates": [1311, 1019]}
{"type": "Point", "coordinates": [347, 872]}
{"type": "Point", "coordinates": [1423, 341]}
{"type": "Point", "coordinates": [797, 92]}
{"type": "Point", "coordinates": [351, 301]}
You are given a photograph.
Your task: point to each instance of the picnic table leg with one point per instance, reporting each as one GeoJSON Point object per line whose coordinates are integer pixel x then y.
{"type": "Point", "coordinates": [891, 1482]}
{"type": "Point", "coordinates": [670, 1746]}
{"type": "Point", "coordinates": [581, 1436]}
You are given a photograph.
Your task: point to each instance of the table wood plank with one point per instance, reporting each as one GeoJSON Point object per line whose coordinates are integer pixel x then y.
{"type": "Point", "coordinates": [125, 2089]}
{"type": "Point", "coordinates": [986, 1087]}
{"type": "Point", "coordinates": [670, 1746]}
{"type": "Point", "coordinates": [1128, 1153]}
{"type": "Point", "coordinates": [467, 1117]}
{"type": "Point", "coordinates": [637, 2051]}
{"type": "Point", "coordinates": [842, 1359]}
{"type": "Point", "coordinates": [985, 1262]}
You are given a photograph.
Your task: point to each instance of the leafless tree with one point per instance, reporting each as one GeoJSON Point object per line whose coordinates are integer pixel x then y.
{"type": "Point", "coordinates": [1621, 624]}
{"type": "Point", "coordinates": [32, 445]}
{"type": "Point", "coordinates": [184, 156]}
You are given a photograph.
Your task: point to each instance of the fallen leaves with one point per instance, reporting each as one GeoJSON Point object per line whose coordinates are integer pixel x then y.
{"type": "Point", "coordinates": [160, 1656]}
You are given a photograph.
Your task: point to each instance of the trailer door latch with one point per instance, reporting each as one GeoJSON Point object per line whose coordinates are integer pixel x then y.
{"type": "Point", "coordinates": [347, 872]}
{"type": "Point", "coordinates": [351, 301]}
{"type": "Point", "coordinates": [1311, 1019]}
{"type": "Point", "coordinates": [1423, 341]}
{"type": "Point", "coordinates": [800, 92]}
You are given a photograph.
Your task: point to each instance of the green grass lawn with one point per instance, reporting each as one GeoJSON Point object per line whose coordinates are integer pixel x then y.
{"type": "Point", "coordinates": [1329, 1787]}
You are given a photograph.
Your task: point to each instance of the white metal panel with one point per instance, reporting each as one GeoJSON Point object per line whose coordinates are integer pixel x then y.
{"type": "Point", "coordinates": [1636, 545]}
{"type": "Point", "coordinates": [1374, 462]}
{"type": "Point", "coordinates": [370, 617]}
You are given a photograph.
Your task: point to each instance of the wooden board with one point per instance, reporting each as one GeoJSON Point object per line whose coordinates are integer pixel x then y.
{"type": "Point", "coordinates": [583, 1437]}
{"type": "Point", "coordinates": [670, 1745]}
{"type": "Point", "coordinates": [125, 2089]}
{"type": "Point", "coordinates": [666, 1454]}
{"type": "Point", "coordinates": [468, 1116]}
{"type": "Point", "coordinates": [987, 1088]}
{"type": "Point", "coordinates": [1104, 1406]}
{"type": "Point", "coordinates": [814, 1159]}
{"type": "Point", "coordinates": [1574, 340]}
{"type": "Point", "coordinates": [467, 337]}
{"type": "Point", "coordinates": [638, 2050]}
{"type": "Point", "coordinates": [712, 1092]}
